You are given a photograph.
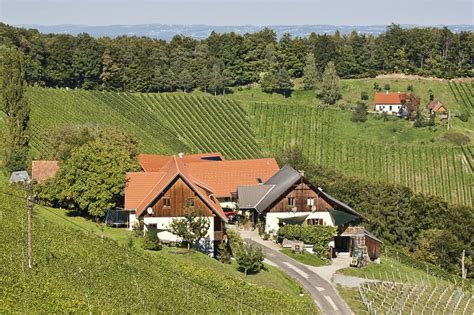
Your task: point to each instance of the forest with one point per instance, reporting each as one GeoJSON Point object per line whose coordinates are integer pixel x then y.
{"type": "Point", "coordinates": [141, 64]}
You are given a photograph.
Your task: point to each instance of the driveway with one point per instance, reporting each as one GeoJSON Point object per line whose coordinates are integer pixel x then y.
{"type": "Point", "coordinates": [323, 293]}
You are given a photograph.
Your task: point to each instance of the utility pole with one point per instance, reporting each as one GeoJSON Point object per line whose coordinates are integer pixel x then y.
{"type": "Point", "coordinates": [29, 205]}
{"type": "Point", "coordinates": [463, 267]}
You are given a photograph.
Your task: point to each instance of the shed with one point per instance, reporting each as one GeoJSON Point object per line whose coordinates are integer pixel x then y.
{"type": "Point", "coordinates": [20, 177]}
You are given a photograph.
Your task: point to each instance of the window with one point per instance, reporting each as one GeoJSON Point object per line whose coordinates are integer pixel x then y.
{"type": "Point", "coordinates": [310, 201]}
{"type": "Point", "coordinates": [314, 222]}
{"type": "Point", "coordinates": [166, 202]}
{"type": "Point", "coordinates": [291, 202]}
{"type": "Point", "coordinates": [390, 108]}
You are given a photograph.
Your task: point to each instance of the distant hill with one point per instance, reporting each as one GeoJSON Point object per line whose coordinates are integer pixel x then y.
{"type": "Point", "coordinates": [166, 31]}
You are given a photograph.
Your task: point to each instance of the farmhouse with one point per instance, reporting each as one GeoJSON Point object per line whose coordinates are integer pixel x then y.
{"type": "Point", "coordinates": [389, 102]}
{"type": "Point", "coordinates": [170, 183]}
{"type": "Point", "coordinates": [289, 198]}
{"type": "Point", "coordinates": [435, 107]}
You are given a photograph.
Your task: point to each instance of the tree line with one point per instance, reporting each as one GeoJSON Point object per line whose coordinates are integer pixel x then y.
{"type": "Point", "coordinates": [142, 64]}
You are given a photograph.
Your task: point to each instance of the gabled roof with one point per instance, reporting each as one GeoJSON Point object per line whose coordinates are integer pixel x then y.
{"type": "Point", "coordinates": [155, 162]}
{"type": "Point", "coordinates": [389, 98]}
{"type": "Point", "coordinates": [143, 189]}
{"type": "Point", "coordinates": [271, 191]}
{"type": "Point", "coordinates": [263, 196]}
{"type": "Point", "coordinates": [435, 105]}
{"type": "Point", "coordinates": [42, 170]}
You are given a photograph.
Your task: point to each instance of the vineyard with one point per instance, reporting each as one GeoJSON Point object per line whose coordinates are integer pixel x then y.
{"type": "Point", "coordinates": [440, 170]}
{"type": "Point", "coordinates": [464, 95]}
{"type": "Point", "coordinates": [77, 272]}
{"type": "Point", "coordinates": [164, 123]}
{"type": "Point", "coordinates": [389, 297]}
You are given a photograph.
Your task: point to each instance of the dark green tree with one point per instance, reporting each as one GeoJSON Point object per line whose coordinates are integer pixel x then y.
{"type": "Point", "coordinates": [151, 240]}
{"type": "Point", "coordinates": [360, 113]}
{"type": "Point", "coordinates": [216, 81]}
{"type": "Point", "coordinates": [283, 82]}
{"type": "Point", "coordinates": [16, 108]}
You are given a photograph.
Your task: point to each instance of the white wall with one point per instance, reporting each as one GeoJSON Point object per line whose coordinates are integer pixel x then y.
{"type": "Point", "coordinates": [386, 108]}
{"type": "Point", "coordinates": [271, 224]}
{"type": "Point", "coordinates": [163, 223]}
{"type": "Point", "coordinates": [132, 219]}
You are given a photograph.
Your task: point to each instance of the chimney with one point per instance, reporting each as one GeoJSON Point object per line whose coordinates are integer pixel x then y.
{"type": "Point", "coordinates": [386, 92]}
{"type": "Point", "coordinates": [398, 92]}
{"type": "Point", "coordinates": [180, 155]}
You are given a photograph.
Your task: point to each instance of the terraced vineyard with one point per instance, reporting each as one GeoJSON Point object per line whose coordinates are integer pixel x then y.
{"type": "Point", "coordinates": [463, 94]}
{"type": "Point", "coordinates": [79, 272]}
{"type": "Point", "coordinates": [408, 298]}
{"type": "Point", "coordinates": [164, 123]}
{"type": "Point", "coordinates": [445, 171]}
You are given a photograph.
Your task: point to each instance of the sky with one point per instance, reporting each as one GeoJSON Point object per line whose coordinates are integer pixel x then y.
{"type": "Point", "coordinates": [237, 12]}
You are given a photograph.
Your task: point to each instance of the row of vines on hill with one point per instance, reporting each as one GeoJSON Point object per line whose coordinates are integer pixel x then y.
{"type": "Point", "coordinates": [436, 170]}
{"type": "Point", "coordinates": [166, 124]}
{"type": "Point", "coordinates": [78, 272]}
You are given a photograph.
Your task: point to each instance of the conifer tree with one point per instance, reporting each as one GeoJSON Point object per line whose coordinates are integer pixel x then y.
{"type": "Point", "coordinates": [330, 92]}
{"type": "Point", "coordinates": [310, 73]}
{"type": "Point", "coordinates": [283, 82]}
{"type": "Point", "coordinates": [16, 108]}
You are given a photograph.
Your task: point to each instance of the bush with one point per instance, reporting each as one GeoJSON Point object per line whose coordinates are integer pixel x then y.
{"type": "Point", "coordinates": [290, 232]}
{"type": "Point", "coordinates": [224, 253]}
{"type": "Point", "coordinates": [410, 88]}
{"type": "Point", "coordinates": [464, 116]}
{"type": "Point", "coordinates": [151, 240]}
{"type": "Point", "coordinates": [364, 95]}
{"type": "Point", "coordinates": [386, 87]}
{"type": "Point", "coordinates": [249, 257]}
{"type": "Point", "coordinates": [360, 113]}
{"type": "Point", "coordinates": [457, 138]}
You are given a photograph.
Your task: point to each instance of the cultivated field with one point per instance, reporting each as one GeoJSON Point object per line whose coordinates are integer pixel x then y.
{"type": "Point", "coordinates": [434, 169]}
{"type": "Point", "coordinates": [167, 123]}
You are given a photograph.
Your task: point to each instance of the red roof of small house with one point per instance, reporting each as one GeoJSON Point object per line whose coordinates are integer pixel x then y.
{"type": "Point", "coordinates": [225, 176]}
{"type": "Point", "coordinates": [42, 170]}
{"type": "Point", "coordinates": [435, 105]}
{"type": "Point", "coordinates": [389, 98]}
{"type": "Point", "coordinates": [154, 162]}
{"type": "Point", "coordinates": [143, 188]}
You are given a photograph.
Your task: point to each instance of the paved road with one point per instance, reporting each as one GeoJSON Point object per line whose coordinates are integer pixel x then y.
{"type": "Point", "coordinates": [323, 292]}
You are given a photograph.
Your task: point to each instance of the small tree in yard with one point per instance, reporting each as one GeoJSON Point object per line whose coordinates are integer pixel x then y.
{"type": "Point", "coordinates": [249, 257]}
{"type": "Point", "coordinates": [360, 113]}
{"type": "Point", "coordinates": [192, 228]}
{"type": "Point", "coordinates": [151, 240]}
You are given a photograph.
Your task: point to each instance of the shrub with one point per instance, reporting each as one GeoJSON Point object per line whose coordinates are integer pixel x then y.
{"type": "Point", "coordinates": [224, 253]}
{"type": "Point", "coordinates": [464, 116]}
{"type": "Point", "coordinates": [249, 257]}
{"type": "Point", "coordinates": [457, 138]}
{"type": "Point", "coordinates": [289, 231]}
{"type": "Point", "coordinates": [151, 240]}
{"type": "Point", "coordinates": [410, 88]}
{"type": "Point", "coordinates": [360, 113]}
{"type": "Point", "coordinates": [386, 87]}
{"type": "Point", "coordinates": [364, 95]}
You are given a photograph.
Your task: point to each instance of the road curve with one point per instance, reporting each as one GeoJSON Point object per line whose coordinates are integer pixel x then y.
{"type": "Point", "coordinates": [323, 293]}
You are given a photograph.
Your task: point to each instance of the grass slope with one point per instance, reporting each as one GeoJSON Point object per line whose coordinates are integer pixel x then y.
{"type": "Point", "coordinates": [164, 123]}
{"type": "Point", "coordinates": [76, 271]}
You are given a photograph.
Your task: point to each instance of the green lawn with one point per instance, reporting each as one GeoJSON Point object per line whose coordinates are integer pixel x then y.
{"type": "Point", "coordinates": [270, 277]}
{"type": "Point", "coordinates": [305, 258]}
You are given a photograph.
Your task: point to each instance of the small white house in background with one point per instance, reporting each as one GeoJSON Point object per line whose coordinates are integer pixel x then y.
{"type": "Point", "coordinates": [389, 102]}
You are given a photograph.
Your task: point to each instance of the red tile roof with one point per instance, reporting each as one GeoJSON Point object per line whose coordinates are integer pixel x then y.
{"type": "Point", "coordinates": [154, 162]}
{"type": "Point", "coordinates": [225, 176]}
{"type": "Point", "coordinates": [389, 98]}
{"type": "Point", "coordinates": [42, 170]}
